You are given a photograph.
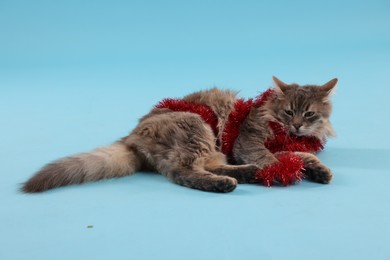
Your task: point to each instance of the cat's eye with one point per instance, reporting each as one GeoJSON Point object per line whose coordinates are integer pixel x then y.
{"type": "Point", "coordinates": [309, 114]}
{"type": "Point", "coordinates": [289, 112]}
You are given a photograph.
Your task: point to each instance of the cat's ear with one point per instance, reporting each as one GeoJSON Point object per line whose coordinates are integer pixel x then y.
{"type": "Point", "coordinates": [329, 86]}
{"type": "Point", "coordinates": [280, 86]}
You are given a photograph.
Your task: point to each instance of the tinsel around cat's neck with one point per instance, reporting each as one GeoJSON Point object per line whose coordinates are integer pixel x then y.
{"type": "Point", "coordinates": [281, 140]}
{"type": "Point", "coordinates": [236, 118]}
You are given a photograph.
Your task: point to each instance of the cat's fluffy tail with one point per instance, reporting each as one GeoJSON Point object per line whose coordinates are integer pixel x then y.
{"type": "Point", "coordinates": [112, 161]}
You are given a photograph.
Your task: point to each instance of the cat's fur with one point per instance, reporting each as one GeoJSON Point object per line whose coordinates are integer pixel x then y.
{"type": "Point", "coordinates": [181, 146]}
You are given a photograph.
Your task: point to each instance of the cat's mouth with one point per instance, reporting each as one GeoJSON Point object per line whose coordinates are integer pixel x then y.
{"type": "Point", "coordinates": [298, 132]}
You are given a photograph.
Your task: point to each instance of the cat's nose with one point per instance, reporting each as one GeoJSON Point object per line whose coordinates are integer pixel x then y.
{"type": "Point", "coordinates": [297, 126]}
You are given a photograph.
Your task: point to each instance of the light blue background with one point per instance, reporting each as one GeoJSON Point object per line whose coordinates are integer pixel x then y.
{"type": "Point", "coordinates": [75, 75]}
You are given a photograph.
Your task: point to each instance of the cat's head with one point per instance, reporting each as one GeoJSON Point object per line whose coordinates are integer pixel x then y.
{"type": "Point", "coordinates": [303, 110]}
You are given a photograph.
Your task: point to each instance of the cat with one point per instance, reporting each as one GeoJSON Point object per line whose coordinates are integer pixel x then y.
{"type": "Point", "coordinates": [186, 148]}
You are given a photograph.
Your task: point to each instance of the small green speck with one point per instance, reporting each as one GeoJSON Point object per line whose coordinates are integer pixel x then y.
{"type": "Point", "coordinates": [90, 226]}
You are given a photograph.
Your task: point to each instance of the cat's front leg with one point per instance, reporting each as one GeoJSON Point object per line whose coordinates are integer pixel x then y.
{"type": "Point", "coordinates": [314, 169]}
{"type": "Point", "coordinates": [280, 169]}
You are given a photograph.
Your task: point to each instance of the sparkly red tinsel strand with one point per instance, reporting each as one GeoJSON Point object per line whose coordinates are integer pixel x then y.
{"type": "Point", "coordinates": [262, 98]}
{"type": "Point", "coordinates": [179, 105]}
{"type": "Point", "coordinates": [282, 141]}
{"type": "Point", "coordinates": [286, 171]}
{"type": "Point", "coordinates": [233, 124]}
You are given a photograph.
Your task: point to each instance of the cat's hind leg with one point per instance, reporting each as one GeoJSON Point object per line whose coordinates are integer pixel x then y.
{"type": "Point", "coordinates": [216, 163]}
{"type": "Point", "coordinates": [203, 180]}
{"type": "Point", "coordinates": [179, 145]}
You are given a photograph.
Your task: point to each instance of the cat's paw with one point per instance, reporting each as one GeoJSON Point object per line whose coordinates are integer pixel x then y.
{"type": "Point", "coordinates": [318, 173]}
{"type": "Point", "coordinates": [225, 184]}
{"type": "Point", "coordinates": [248, 174]}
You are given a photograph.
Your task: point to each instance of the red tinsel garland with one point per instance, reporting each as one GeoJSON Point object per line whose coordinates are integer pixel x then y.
{"type": "Point", "coordinates": [286, 171]}
{"type": "Point", "coordinates": [233, 124]}
{"type": "Point", "coordinates": [262, 98]}
{"type": "Point", "coordinates": [289, 167]}
{"type": "Point", "coordinates": [282, 141]}
{"type": "Point", "coordinates": [179, 105]}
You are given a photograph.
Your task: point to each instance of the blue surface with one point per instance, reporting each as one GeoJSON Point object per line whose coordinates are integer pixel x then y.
{"type": "Point", "coordinates": [77, 75]}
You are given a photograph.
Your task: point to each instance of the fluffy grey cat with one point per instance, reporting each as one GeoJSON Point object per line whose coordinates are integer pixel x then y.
{"type": "Point", "coordinates": [184, 147]}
